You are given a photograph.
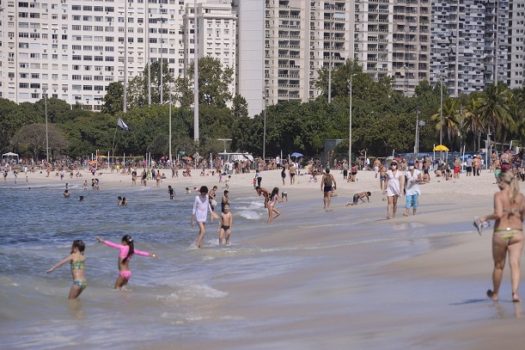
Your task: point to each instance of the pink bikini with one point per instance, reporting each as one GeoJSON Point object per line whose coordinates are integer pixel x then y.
{"type": "Point", "coordinates": [126, 274]}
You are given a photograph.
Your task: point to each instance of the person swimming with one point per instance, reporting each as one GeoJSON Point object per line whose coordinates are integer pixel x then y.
{"type": "Point", "coordinates": [127, 250]}
{"type": "Point", "coordinates": [77, 262]}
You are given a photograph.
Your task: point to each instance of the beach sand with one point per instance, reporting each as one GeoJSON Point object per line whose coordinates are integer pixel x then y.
{"type": "Point", "coordinates": [358, 280]}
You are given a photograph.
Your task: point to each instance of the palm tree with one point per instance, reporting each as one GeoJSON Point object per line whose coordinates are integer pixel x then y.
{"type": "Point", "coordinates": [451, 118]}
{"type": "Point", "coordinates": [494, 110]}
{"type": "Point", "coordinates": [517, 110]}
{"type": "Point", "coordinates": [472, 122]}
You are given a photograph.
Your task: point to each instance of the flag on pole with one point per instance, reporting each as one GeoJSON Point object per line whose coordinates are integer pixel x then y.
{"type": "Point", "coordinates": [122, 125]}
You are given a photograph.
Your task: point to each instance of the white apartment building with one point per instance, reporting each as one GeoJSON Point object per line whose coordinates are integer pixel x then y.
{"type": "Point", "coordinates": [516, 60]}
{"type": "Point", "coordinates": [393, 40]}
{"type": "Point", "coordinates": [216, 34]}
{"type": "Point", "coordinates": [301, 37]}
{"type": "Point", "coordinates": [73, 49]}
{"type": "Point", "coordinates": [250, 53]}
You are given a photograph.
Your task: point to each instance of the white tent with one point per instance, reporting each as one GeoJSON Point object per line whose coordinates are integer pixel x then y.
{"type": "Point", "coordinates": [10, 155]}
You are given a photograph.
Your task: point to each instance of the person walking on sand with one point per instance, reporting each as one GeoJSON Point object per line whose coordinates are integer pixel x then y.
{"type": "Point", "coordinates": [394, 188]}
{"type": "Point", "coordinates": [328, 184]}
{"type": "Point", "coordinates": [273, 213]}
{"type": "Point", "coordinates": [225, 226]}
{"type": "Point", "coordinates": [77, 261]}
{"type": "Point", "coordinates": [201, 207]}
{"type": "Point", "coordinates": [413, 179]}
{"type": "Point", "coordinates": [507, 239]}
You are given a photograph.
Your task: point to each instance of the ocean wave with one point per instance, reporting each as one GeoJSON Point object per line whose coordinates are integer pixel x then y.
{"type": "Point", "coordinates": [249, 214]}
{"type": "Point", "coordinates": [192, 291]}
{"type": "Point", "coordinates": [250, 205]}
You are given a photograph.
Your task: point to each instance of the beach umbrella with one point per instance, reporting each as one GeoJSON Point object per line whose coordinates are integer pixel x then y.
{"type": "Point", "coordinates": [440, 148]}
{"type": "Point", "coordinates": [296, 155]}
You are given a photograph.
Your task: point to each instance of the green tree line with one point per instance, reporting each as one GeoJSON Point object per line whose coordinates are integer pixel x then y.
{"type": "Point", "coordinates": [383, 120]}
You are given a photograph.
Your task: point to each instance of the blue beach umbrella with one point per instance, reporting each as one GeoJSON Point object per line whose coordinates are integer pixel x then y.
{"type": "Point", "coordinates": [296, 155]}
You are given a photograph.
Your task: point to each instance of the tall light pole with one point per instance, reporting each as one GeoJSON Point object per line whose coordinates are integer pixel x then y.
{"type": "Point", "coordinates": [195, 75]}
{"type": "Point", "coordinates": [330, 57]}
{"type": "Point", "coordinates": [265, 99]}
{"type": "Point", "coordinates": [125, 92]}
{"type": "Point", "coordinates": [419, 123]}
{"type": "Point", "coordinates": [161, 59]}
{"type": "Point", "coordinates": [148, 60]}
{"type": "Point", "coordinates": [169, 137]}
{"type": "Point", "coordinates": [441, 109]}
{"type": "Point", "coordinates": [350, 119]}
{"type": "Point", "coordinates": [47, 131]}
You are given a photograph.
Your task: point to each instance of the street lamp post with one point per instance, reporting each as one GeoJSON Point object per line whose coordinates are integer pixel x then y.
{"type": "Point", "coordinates": [264, 126]}
{"type": "Point", "coordinates": [47, 131]}
{"type": "Point", "coordinates": [161, 59]}
{"type": "Point", "coordinates": [350, 121]}
{"type": "Point", "coordinates": [419, 123]}
{"type": "Point", "coordinates": [195, 75]}
{"type": "Point", "coordinates": [169, 140]}
{"type": "Point", "coordinates": [330, 57]}
{"type": "Point", "coordinates": [441, 109]}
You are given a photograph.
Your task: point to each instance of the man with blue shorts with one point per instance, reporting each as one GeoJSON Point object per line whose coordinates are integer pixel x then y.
{"type": "Point", "coordinates": [413, 178]}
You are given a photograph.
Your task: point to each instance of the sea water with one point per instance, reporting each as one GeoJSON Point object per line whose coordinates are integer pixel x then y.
{"type": "Point", "coordinates": [174, 291]}
{"type": "Point", "coordinates": [182, 295]}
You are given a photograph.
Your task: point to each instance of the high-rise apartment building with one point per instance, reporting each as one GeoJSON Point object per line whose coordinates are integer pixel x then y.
{"type": "Point", "coordinates": [516, 58]}
{"type": "Point", "coordinates": [217, 27]}
{"type": "Point", "coordinates": [250, 53]}
{"type": "Point", "coordinates": [73, 49]}
{"type": "Point", "coordinates": [469, 44]}
{"type": "Point", "coordinates": [392, 39]}
{"type": "Point", "coordinates": [301, 37]}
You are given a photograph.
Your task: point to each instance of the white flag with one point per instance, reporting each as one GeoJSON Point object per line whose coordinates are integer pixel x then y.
{"type": "Point", "coordinates": [122, 125]}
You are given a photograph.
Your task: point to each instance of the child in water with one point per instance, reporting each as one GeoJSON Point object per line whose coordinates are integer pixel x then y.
{"type": "Point", "coordinates": [225, 227]}
{"type": "Point", "coordinates": [171, 192]}
{"type": "Point", "coordinates": [127, 249]}
{"type": "Point", "coordinates": [77, 261]}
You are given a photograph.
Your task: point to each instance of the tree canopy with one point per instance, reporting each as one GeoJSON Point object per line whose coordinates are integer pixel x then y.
{"type": "Point", "coordinates": [383, 120]}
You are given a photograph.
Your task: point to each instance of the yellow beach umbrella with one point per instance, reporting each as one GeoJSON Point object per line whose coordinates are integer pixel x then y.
{"type": "Point", "coordinates": [440, 148]}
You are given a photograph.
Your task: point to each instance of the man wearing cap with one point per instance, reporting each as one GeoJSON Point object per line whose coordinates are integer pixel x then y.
{"type": "Point", "coordinates": [412, 191]}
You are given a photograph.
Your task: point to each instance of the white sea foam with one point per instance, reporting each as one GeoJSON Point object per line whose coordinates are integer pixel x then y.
{"type": "Point", "coordinates": [249, 215]}
{"type": "Point", "coordinates": [251, 205]}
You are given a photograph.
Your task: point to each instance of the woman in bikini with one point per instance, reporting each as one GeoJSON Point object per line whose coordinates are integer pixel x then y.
{"type": "Point", "coordinates": [77, 261]}
{"type": "Point", "coordinates": [127, 250]}
{"type": "Point", "coordinates": [508, 239]}
{"type": "Point", "coordinates": [272, 211]}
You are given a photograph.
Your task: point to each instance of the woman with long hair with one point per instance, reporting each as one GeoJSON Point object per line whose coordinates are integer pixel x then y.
{"type": "Point", "coordinates": [127, 250]}
{"type": "Point", "coordinates": [507, 239]}
{"type": "Point", "coordinates": [272, 211]}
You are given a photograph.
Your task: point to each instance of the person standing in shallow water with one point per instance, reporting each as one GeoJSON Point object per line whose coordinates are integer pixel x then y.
{"type": "Point", "coordinates": [77, 261]}
{"type": "Point", "coordinates": [328, 184]}
{"type": "Point", "coordinates": [507, 239]}
{"type": "Point", "coordinates": [201, 207]}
